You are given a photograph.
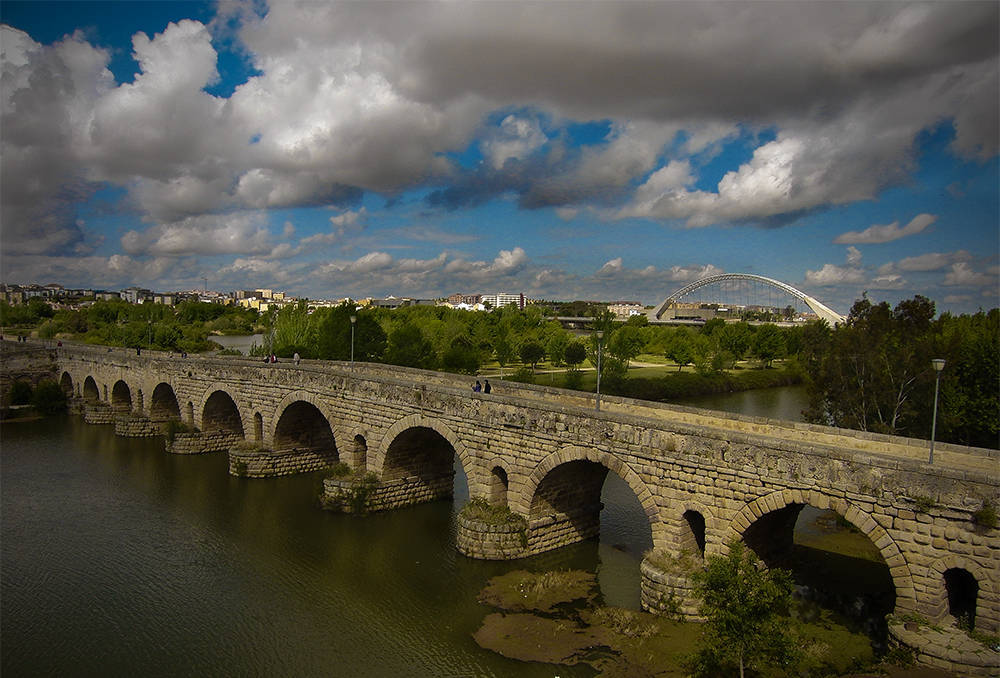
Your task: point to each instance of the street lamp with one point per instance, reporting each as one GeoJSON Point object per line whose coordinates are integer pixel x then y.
{"type": "Point", "coordinates": [600, 336]}
{"type": "Point", "coordinates": [354, 320]}
{"type": "Point", "coordinates": [938, 364]}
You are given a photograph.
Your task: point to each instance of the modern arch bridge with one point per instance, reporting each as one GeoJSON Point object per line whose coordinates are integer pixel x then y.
{"type": "Point", "coordinates": [817, 307]}
{"type": "Point", "coordinates": [702, 478]}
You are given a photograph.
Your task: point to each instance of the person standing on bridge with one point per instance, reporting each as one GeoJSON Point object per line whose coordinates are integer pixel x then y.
{"type": "Point", "coordinates": [487, 388]}
{"type": "Point", "coordinates": [478, 387]}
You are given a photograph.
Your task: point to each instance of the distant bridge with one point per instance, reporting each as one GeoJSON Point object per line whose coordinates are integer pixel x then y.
{"type": "Point", "coordinates": [817, 307]}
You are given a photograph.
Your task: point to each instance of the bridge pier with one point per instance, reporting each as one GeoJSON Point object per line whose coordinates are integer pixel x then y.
{"type": "Point", "coordinates": [197, 442]}
{"type": "Point", "coordinates": [342, 494]}
{"type": "Point", "coordinates": [247, 460]}
{"type": "Point", "coordinates": [96, 412]}
{"type": "Point", "coordinates": [136, 426]}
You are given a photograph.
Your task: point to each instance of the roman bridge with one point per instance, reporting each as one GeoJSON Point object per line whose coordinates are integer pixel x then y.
{"type": "Point", "coordinates": [702, 478]}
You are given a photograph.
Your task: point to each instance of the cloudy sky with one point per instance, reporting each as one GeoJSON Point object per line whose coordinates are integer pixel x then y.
{"type": "Point", "coordinates": [571, 150]}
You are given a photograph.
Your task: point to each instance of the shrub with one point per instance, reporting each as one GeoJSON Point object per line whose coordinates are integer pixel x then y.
{"type": "Point", "coordinates": [986, 516]}
{"type": "Point", "coordinates": [49, 398]}
{"type": "Point", "coordinates": [20, 393]}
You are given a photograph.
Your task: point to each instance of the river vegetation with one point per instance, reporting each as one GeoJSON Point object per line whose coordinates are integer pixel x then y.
{"type": "Point", "coordinates": [558, 617]}
{"type": "Point", "coordinates": [871, 373]}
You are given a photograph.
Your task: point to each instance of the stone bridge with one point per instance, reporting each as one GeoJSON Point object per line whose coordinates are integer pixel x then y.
{"type": "Point", "coordinates": [702, 478]}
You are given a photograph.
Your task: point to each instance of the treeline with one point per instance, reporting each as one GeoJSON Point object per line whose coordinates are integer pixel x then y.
{"type": "Point", "coordinates": [186, 327]}
{"type": "Point", "coordinates": [874, 372]}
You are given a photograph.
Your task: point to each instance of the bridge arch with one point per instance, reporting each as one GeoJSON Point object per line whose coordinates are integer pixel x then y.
{"type": "Point", "coordinates": [301, 424]}
{"type": "Point", "coordinates": [163, 404]}
{"type": "Point", "coordinates": [817, 307]}
{"type": "Point", "coordinates": [777, 502]}
{"type": "Point", "coordinates": [941, 603]}
{"type": "Point", "coordinates": [522, 499]}
{"type": "Point", "coordinates": [90, 391]}
{"type": "Point", "coordinates": [420, 422]}
{"type": "Point", "coordinates": [121, 397]}
{"type": "Point", "coordinates": [219, 412]}
{"type": "Point", "coordinates": [298, 395]}
{"type": "Point", "coordinates": [66, 384]}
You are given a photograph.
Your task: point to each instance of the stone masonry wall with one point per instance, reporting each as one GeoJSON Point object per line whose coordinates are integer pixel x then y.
{"type": "Point", "coordinates": [135, 426]}
{"type": "Point", "coordinates": [388, 494]}
{"type": "Point", "coordinates": [260, 463]}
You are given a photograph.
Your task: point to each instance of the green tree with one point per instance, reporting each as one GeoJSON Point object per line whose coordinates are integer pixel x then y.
{"type": "Point", "coordinates": [333, 335]}
{"type": "Point", "coordinates": [556, 345]}
{"type": "Point", "coordinates": [746, 609]}
{"type": "Point", "coordinates": [49, 397]}
{"type": "Point", "coordinates": [576, 353]}
{"type": "Point", "coordinates": [768, 343]}
{"type": "Point", "coordinates": [680, 348]}
{"type": "Point", "coordinates": [532, 352]}
{"type": "Point", "coordinates": [461, 356]}
{"type": "Point", "coordinates": [503, 350]}
{"type": "Point", "coordinates": [876, 374]}
{"type": "Point", "coordinates": [735, 338]}
{"type": "Point", "coordinates": [408, 347]}
{"type": "Point", "coordinates": [626, 343]}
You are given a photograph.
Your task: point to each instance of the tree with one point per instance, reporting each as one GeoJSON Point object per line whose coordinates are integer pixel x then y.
{"type": "Point", "coordinates": [768, 344]}
{"type": "Point", "coordinates": [556, 346]}
{"type": "Point", "coordinates": [680, 348]}
{"type": "Point", "coordinates": [408, 347]}
{"type": "Point", "coordinates": [576, 353]}
{"type": "Point", "coordinates": [626, 343]}
{"type": "Point", "coordinates": [876, 374]}
{"type": "Point", "coordinates": [735, 338]}
{"type": "Point", "coordinates": [333, 335]}
{"type": "Point", "coordinates": [746, 608]}
{"type": "Point", "coordinates": [531, 352]}
{"type": "Point", "coordinates": [503, 350]}
{"type": "Point", "coordinates": [461, 356]}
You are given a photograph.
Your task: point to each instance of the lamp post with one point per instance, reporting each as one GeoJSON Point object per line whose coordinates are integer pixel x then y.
{"type": "Point", "coordinates": [354, 320]}
{"type": "Point", "coordinates": [600, 336]}
{"type": "Point", "coordinates": [938, 364]}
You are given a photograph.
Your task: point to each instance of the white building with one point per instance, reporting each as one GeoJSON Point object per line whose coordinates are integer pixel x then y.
{"type": "Point", "coordinates": [501, 299]}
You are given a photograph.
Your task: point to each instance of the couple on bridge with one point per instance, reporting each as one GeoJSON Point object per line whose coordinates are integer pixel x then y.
{"type": "Point", "coordinates": [480, 388]}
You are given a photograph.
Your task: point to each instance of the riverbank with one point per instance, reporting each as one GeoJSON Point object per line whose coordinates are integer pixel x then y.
{"type": "Point", "coordinates": [556, 617]}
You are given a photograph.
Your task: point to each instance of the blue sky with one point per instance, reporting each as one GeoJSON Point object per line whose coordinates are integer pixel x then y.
{"type": "Point", "coordinates": [567, 151]}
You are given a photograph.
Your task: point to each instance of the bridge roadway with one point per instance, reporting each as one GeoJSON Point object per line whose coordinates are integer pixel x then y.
{"type": "Point", "coordinates": [703, 478]}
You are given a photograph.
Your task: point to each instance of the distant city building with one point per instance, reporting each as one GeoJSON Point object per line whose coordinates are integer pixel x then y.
{"type": "Point", "coordinates": [466, 299]}
{"type": "Point", "coordinates": [501, 299]}
{"type": "Point", "coordinates": [625, 309]}
{"type": "Point", "coordinates": [136, 295]}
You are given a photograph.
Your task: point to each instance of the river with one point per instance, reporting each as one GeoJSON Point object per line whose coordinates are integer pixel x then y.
{"type": "Point", "coordinates": [117, 559]}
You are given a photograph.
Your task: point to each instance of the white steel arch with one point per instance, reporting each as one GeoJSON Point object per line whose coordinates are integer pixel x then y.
{"type": "Point", "coordinates": [818, 307]}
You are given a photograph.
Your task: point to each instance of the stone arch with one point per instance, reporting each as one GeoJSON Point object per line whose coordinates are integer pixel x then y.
{"type": "Point", "coordinates": [219, 412]}
{"type": "Point", "coordinates": [301, 425]}
{"type": "Point", "coordinates": [90, 391]}
{"type": "Point", "coordinates": [66, 383]}
{"type": "Point", "coordinates": [899, 569]}
{"type": "Point", "coordinates": [499, 485]}
{"type": "Point", "coordinates": [521, 499]}
{"type": "Point", "coordinates": [258, 428]}
{"type": "Point", "coordinates": [163, 405]}
{"type": "Point", "coordinates": [939, 602]}
{"type": "Point", "coordinates": [377, 462]}
{"type": "Point", "coordinates": [360, 451]}
{"type": "Point", "coordinates": [306, 397]}
{"type": "Point", "coordinates": [121, 397]}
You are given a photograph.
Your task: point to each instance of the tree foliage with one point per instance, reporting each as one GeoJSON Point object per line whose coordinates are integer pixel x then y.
{"type": "Point", "coordinates": [745, 607]}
